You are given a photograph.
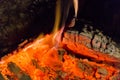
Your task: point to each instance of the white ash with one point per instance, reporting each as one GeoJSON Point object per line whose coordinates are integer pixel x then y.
{"type": "Point", "coordinates": [96, 40]}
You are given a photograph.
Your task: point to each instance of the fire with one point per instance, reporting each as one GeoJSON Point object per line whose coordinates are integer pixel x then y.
{"type": "Point", "coordinates": [41, 53]}
{"type": "Point", "coordinates": [50, 58]}
{"type": "Point", "coordinates": [57, 37]}
{"type": "Point", "coordinates": [45, 59]}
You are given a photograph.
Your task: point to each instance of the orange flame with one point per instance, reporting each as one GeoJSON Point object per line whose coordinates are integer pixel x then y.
{"type": "Point", "coordinates": [40, 59]}
{"type": "Point", "coordinates": [55, 38]}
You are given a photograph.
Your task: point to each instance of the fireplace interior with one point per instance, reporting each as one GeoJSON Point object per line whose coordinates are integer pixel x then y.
{"type": "Point", "coordinates": [89, 50]}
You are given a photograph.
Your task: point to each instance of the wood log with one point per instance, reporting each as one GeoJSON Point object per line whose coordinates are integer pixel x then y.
{"type": "Point", "coordinates": [81, 44]}
{"type": "Point", "coordinates": [39, 61]}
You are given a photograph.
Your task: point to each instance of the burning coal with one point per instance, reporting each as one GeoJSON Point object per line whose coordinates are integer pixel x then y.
{"type": "Point", "coordinates": [53, 57]}
{"type": "Point", "coordinates": [42, 60]}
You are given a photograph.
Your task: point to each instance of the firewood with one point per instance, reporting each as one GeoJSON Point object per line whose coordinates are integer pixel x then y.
{"type": "Point", "coordinates": [94, 40]}
{"type": "Point", "coordinates": [39, 61]}
{"type": "Point", "coordinates": [1, 77]}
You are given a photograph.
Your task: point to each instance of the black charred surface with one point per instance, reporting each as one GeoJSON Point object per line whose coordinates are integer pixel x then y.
{"type": "Point", "coordinates": [14, 21]}
{"type": "Point", "coordinates": [20, 20]}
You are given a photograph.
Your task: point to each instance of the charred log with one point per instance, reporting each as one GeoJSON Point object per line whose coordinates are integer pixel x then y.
{"type": "Point", "coordinates": [92, 38]}
{"type": "Point", "coordinates": [17, 19]}
{"type": "Point", "coordinates": [60, 65]}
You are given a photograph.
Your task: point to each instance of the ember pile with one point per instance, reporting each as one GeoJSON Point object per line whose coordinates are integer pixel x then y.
{"type": "Point", "coordinates": [87, 55]}
{"type": "Point", "coordinates": [44, 59]}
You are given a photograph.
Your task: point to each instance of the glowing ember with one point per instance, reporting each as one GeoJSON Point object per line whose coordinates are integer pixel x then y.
{"type": "Point", "coordinates": [42, 60]}
{"type": "Point", "coordinates": [46, 59]}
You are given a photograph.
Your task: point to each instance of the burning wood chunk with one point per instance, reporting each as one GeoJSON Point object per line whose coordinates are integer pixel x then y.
{"type": "Point", "coordinates": [41, 60]}
{"type": "Point", "coordinates": [94, 40]}
{"type": "Point", "coordinates": [85, 69]}
{"type": "Point", "coordinates": [84, 51]}
{"type": "Point", "coordinates": [81, 47]}
{"type": "Point", "coordinates": [18, 72]}
{"type": "Point", "coordinates": [1, 77]}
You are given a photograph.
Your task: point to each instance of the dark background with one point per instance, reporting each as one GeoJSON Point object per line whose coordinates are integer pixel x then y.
{"type": "Point", "coordinates": [105, 14]}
